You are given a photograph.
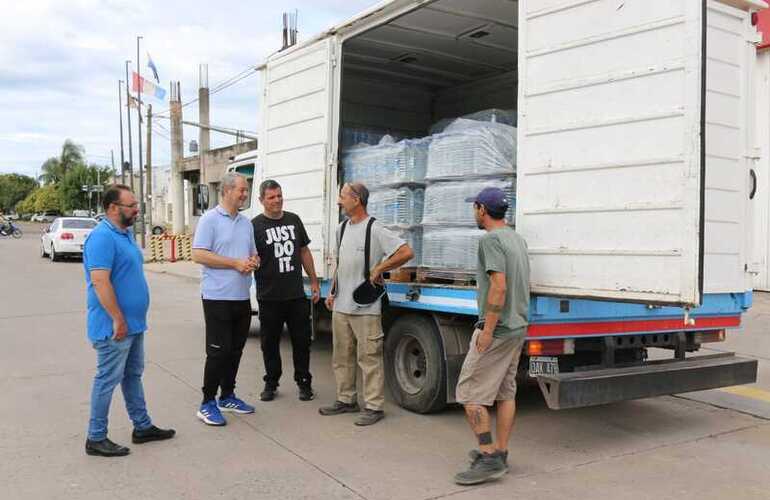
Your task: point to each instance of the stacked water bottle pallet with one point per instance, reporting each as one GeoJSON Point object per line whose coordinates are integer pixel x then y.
{"type": "Point", "coordinates": [462, 157]}
{"type": "Point", "coordinates": [394, 172]}
{"type": "Point", "coordinates": [468, 156]}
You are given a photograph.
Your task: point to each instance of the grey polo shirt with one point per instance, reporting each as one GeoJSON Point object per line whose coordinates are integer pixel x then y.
{"type": "Point", "coordinates": [227, 236]}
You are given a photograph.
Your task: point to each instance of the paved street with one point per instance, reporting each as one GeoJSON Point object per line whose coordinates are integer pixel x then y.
{"type": "Point", "coordinates": [710, 445]}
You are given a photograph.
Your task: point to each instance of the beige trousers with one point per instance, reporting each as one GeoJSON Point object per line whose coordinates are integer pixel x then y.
{"type": "Point", "coordinates": [357, 342]}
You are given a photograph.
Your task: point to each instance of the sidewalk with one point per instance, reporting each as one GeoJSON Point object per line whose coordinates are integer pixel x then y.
{"type": "Point", "coordinates": [181, 269]}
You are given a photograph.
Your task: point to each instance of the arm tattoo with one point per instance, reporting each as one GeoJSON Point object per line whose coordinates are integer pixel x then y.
{"type": "Point", "coordinates": [485, 438]}
{"type": "Point", "coordinates": [494, 308]}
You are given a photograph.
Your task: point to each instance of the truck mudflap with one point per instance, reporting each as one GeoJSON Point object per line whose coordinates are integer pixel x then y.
{"type": "Point", "coordinates": [655, 378]}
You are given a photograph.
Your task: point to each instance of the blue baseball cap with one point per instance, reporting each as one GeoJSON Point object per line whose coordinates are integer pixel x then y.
{"type": "Point", "coordinates": [493, 198]}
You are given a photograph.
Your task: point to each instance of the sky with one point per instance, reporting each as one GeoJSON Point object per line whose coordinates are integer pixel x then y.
{"type": "Point", "coordinates": [60, 63]}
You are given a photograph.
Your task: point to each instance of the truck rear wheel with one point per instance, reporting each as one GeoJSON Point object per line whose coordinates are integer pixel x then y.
{"type": "Point", "coordinates": [415, 367]}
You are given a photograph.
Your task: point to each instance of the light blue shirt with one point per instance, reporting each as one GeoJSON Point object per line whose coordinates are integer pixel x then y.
{"type": "Point", "coordinates": [226, 236]}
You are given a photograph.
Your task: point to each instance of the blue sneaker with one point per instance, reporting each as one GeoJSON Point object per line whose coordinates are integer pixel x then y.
{"type": "Point", "coordinates": [210, 414]}
{"type": "Point", "coordinates": [232, 403]}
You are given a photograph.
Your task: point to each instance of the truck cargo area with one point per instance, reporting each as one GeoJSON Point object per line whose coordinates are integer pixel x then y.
{"type": "Point", "coordinates": [441, 61]}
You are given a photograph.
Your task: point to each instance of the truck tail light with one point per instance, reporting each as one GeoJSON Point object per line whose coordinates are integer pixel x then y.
{"type": "Point", "coordinates": [550, 347]}
{"type": "Point", "coordinates": [712, 336]}
{"type": "Point", "coordinates": [67, 236]}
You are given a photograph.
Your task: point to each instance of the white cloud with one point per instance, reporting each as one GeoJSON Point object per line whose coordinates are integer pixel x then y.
{"type": "Point", "coordinates": [60, 64]}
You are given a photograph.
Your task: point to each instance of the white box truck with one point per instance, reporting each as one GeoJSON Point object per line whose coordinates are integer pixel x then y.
{"type": "Point", "coordinates": [634, 148]}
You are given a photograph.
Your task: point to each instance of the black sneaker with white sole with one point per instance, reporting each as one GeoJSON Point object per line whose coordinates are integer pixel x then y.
{"type": "Point", "coordinates": [306, 393]}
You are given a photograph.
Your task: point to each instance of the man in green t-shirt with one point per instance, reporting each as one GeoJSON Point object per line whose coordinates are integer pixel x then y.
{"type": "Point", "coordinates": [488, 374]}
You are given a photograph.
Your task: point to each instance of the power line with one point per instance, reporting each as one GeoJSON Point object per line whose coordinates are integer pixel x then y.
{"type": "Point", "coordinates": [229, 82]}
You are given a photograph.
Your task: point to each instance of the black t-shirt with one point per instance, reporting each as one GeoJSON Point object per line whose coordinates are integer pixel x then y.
{"type": "Point", "coordinates": [279, 241]}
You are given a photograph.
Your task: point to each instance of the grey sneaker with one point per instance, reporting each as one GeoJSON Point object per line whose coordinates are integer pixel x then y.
{"type": "Point", "coordinates": [338, 408]}
{"type": "Point", "coordinates": [475, 454]}
{"type": "Point", "coordinates": [369, 417]}
{"type": "Point", "coordinates": [486, 467]}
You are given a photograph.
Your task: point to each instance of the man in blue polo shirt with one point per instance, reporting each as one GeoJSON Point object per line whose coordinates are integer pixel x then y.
{"type": "Point", "coordinates": [224, 245]}
{"type": "Point", "coordinates": [118, 299]}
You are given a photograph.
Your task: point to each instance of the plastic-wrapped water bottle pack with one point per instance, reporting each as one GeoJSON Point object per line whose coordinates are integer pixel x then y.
{"type": "Point", "coordinates": [413, 238]}
{"type": "Point", "coordinates": [506, 116]}
{"type": "Point", "coordinates": [469, 148]}
{"type": "Point", "coordinates": [397, 207]}
{"type": "Point", "coordinates": [388, 163]}
{"type": "Point", "coordinates": [358, 136]}
{"type": "Point", "coordinates": [445, 201]}
{"type": "Point", "coordinates": [452, 249]}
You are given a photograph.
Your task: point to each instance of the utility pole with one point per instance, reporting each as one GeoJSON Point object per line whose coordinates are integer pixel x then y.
{"type": "Point", "coordinates": [177, 158]}
{"type": "Point", "coordinates": [120, 113]}
{"type": "Point", "coordinates": [142, 206]}
{"type": "Point", "coordinates": [99, 185]}
{"type": "Point", "coordinates": [130, 148]}
{"type": "Point", "coordinates": [112, 160]}
{"type": "Point", "coordinates": [204, 134]}
{"type": "Point", "coordinates": [148, 165]}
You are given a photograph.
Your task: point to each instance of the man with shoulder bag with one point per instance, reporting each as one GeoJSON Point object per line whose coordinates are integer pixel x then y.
{"type": "Point", "coordinates": [356, 302]}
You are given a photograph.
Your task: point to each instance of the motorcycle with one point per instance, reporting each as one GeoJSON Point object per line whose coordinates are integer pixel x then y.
{"type": "Point", "coordinates": [11, 229]}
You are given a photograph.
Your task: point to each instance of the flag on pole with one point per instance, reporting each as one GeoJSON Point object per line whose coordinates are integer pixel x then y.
{"type": "Point", "coordinates": [135, 103]}
{"type": "Point", "coordinates": [151, 65]}
{"type": "Point", "coordinates": [139, 84]}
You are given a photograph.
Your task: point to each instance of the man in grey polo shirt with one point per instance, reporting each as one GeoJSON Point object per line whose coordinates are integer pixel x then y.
{"type": "Point", "coordinates": [224, 245]}
{"type": "Point", "coordinates": [357, 329]}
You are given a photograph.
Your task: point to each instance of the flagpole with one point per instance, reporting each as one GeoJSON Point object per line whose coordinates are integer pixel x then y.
{"type": "Point", "coordinates": [139, 127]}
{"type": "Point", "coordinates": [130, 148]}
{"type": "Point", "coordinates": [120, 112]}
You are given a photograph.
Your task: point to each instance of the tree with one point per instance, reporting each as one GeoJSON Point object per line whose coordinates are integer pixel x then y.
{"type": "Point", "coordinates": [71, 187]}
{"type": "Point", "coordinates": [27, 205]}
{"type": "Point", "coordinates": [47, 199]}
{"type": "Point", "coordinates": [55, 168]}
{"type": "Point", "coordinates": [13, 189]}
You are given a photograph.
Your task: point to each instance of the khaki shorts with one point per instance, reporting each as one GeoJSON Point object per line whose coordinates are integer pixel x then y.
{"type": "Point", "coordinates": [490, 376]}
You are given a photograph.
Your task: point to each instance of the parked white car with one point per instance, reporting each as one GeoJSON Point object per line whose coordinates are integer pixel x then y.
{"type": "Point", "coordinates": [66, 237]}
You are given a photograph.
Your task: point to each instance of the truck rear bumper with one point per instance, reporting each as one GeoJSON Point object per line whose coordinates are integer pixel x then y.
{"type": "Point", "coordinates": [657, 378]}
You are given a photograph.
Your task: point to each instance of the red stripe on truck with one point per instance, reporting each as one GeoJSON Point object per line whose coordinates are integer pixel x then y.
{"type": "Point", "coordinates": [631, 326]}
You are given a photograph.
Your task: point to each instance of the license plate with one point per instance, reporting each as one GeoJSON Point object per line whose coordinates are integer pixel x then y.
{"type": "Point", "coordinates": [543, 365]}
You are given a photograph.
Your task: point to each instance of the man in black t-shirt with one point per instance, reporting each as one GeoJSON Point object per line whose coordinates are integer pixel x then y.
{"type": "Point", "coordinates": [282, 245]}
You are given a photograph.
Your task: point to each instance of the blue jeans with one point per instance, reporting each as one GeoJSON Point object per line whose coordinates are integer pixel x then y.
{"type": "Point", "coordinates": [118, 363]}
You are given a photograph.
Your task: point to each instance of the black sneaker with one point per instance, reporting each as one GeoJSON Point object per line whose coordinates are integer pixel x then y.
{"type": "Point", "coordinates": [475, 454]}
{"type": "Point", "coordinates": [151, 434]}
{"type": "Point", "coordinates": [338, 408]}
{"type": "Point", "coordinates": [105, 448]}
{"type": "Point", "coordinates": [369, 417]}
{"type": "Point", "coordinates": [306, 393]}
{"type": "Point", "coordinates": [486, 467]}
{"type": "Point", "coordinates": [268, 394]}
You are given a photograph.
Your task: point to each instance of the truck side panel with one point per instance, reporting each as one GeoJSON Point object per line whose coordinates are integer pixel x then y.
{"type": "Point", "coordinates": [296, 135]}
{"type": "Point", "coordinates": [610, 100]}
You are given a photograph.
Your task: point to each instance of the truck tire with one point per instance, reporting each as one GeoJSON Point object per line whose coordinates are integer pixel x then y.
{"type": "Point", "coordinates": [415, 367]}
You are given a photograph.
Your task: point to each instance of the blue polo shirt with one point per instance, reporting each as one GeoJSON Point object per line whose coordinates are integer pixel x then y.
{"type": "Point", "coordinates": [227, 236]}
{"type": "Point", "coordinates": [115, 250]}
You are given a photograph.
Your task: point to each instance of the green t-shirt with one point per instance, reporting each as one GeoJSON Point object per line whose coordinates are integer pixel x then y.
{"type": "Point", "coordinates": [504, 251]}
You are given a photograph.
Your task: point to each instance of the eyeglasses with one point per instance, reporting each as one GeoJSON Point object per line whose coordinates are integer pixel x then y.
{"type": "Point", "coordinates": [133, 205]}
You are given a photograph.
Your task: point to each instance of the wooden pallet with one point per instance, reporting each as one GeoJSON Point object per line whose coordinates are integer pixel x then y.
{"type": "Point", "coordinates": [403, 275]}
{"type": "Point", "coordinates": [446, 277]}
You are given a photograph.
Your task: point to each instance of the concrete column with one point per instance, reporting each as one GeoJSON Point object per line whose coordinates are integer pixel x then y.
{"type": "Point", "coordinates": [177, 159]}
{"type": "Point", "coordinates": [204, 134]}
